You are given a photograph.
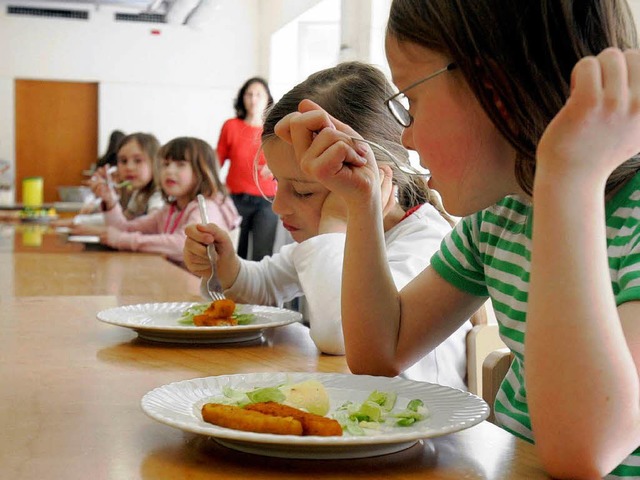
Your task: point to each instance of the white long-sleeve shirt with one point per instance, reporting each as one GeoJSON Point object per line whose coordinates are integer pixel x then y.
{"type": "Point", "coordinates": [313, 268]}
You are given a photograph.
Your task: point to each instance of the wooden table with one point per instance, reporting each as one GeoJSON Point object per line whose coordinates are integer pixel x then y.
{"type": "Point", "coordinates": [119, 274]}
{"type": "Point", "coordinates": [70, 386]}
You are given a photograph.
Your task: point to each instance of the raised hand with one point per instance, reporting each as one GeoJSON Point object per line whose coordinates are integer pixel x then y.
{"type": "Point", "coordinates": [325, 150]}
{"type": "Point", "coordinates": [599, 126]}
{"type": "Point", "coordinates": [102, 188]}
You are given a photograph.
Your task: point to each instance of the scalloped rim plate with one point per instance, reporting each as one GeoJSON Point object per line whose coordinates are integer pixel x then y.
{"type": "Point", "coordinates": [178, 405]}
{"type": "Point", "coordinates": [159, 322]}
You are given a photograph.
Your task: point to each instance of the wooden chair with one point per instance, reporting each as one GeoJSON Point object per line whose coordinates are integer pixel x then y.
{"type": "Point", "coordinates": [482, 339]}
{"type": "Point", "coordinates": [494, 368]}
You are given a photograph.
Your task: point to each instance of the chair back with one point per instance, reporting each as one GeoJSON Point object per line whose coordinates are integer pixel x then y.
{"type": "Point", "coordinates": [494, 369]}
{"type": "Point", "coordinates": [481, 341]}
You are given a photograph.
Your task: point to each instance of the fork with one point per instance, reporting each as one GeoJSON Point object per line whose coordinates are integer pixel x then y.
{"type": "Point", "coordinates": [408, 169]}
{"type": "Point", "coordinates": [213, 284]}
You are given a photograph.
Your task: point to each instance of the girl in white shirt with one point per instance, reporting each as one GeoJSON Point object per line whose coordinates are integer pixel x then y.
{"type": "Point", "coordinates": [414, 221]}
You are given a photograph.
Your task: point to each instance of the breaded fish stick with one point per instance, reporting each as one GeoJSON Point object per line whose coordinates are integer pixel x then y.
{"type": "Point", "coordinates": [238, 418]}
{"type": "Point", "coordinates": [312, 424]}
{"type": "Point", "coordinates": [221, 308]}
{"type": "Point", "coordinates": [205, 320]}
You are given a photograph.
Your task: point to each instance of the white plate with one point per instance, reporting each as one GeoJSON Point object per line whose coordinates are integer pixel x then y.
{"type": "Point", "coordinates": [178, 405]}
{"type": "Point", "coordinates": [159, 322]}
{"type": "Point", "coordinates": [83, 238]}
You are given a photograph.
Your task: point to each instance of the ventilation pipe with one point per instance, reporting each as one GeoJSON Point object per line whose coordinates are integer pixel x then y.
{"type": "Point", "coordinates": [204, 14]}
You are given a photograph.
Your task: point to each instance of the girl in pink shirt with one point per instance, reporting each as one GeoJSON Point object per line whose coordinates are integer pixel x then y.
{"type": "Point", "coordinates": [186, 167]}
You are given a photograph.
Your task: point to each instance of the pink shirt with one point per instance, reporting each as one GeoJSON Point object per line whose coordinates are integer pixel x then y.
{"type": "Point", "coordinates": [162, 231]}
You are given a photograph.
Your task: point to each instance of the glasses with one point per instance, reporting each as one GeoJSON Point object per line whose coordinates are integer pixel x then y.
{"type": "Point", "coordinates": [398, 104]}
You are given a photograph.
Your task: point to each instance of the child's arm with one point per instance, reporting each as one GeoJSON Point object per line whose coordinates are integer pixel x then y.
{"type": "Point", "coordinates": [272, 281]}
{"type": "Point", "coordinates": [147, 224]}
{"type": "Point", "coordinates": [146, 233]}
{"type": "Point", "coordinates": [583, 352]}
{"type": "Point", "coordinates": [102, 188]}
{"type": "Point", "coordinates": [431, 308]}
{"type": "Point", "coordinates": [195, 252]}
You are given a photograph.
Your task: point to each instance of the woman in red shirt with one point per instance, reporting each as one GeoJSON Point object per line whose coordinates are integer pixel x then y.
{"type": "Point", "coordinates": [249, 180]}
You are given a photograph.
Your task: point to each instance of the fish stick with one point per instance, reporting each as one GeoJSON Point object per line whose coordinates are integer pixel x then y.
{"type": "Point", "coordinates": [204, 320]}
{"type": "Point", "coordinates": [221, 308]}
{"type": "Point", "coordinates": [312, 424]}
{"type": "Point", "coordinates": [230, 416]}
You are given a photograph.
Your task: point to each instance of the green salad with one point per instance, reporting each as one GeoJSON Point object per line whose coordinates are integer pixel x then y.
{"type": "Point", "coordinates": [199, 308]}
{"type": "Point", "coordinates": [376, 413]}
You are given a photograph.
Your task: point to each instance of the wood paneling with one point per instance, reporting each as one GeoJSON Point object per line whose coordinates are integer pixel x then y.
{"type": "Point", "coordinates": [56, 132]}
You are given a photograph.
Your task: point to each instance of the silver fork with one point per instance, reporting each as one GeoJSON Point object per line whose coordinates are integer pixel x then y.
{"type": "Point", "coordinates": [408, 169]}
{"type": "Point", "coordinates": [213, 284]}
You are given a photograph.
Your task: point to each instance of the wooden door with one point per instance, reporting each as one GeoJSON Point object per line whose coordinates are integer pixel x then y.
{"type": "Point", "coordinates": [56, 133]}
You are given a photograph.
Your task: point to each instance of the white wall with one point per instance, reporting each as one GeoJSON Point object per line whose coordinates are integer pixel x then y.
{"type": "Point", "coordinates": [305, 44]}
{"type": "Point", "coordinates": [180, 82]}
{"type": "Point", "coordinates": [274, 14]}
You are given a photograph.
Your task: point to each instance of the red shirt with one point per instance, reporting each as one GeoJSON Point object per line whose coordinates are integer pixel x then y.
{"type": "Point", "coordinates": [239, 143]}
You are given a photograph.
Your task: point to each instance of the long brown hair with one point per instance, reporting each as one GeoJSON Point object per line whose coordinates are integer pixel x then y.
{"type": "Point", "coordinates": [526, 49]}
{"type": "Point", "coordinates": [203, 160]}
{"type": "Point", "coordinates": [149, 144]}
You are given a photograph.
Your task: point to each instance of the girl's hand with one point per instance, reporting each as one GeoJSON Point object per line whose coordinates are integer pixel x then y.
{"type": "Point", "coordinates": [599, 126]}
{"type": "Point", "coordinates": [101, 188]}
{"type": "Point", "coordinates": [197, 260]}
{"type": "Point", "coordinates": [324, 150]}
{"type": "Point", "coordinates": [333, 216]}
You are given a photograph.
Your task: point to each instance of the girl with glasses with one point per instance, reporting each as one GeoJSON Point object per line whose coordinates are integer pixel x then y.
{"type": "Point", "coordinates": [414, 223]}
{"type": "Point", "coordinates": [532, 138]}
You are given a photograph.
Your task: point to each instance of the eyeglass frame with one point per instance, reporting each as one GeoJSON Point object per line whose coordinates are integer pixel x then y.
{"type": "Point", "coordinates": [393, 100]}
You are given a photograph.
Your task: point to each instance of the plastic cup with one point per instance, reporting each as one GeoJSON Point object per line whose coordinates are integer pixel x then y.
{"type": "Point", "coordinates": [32, 192]}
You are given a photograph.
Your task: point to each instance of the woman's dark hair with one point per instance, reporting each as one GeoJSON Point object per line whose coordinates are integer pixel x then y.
{"type": "Point", "coordinates": [525, 49]}
{"type": "Point", "coordinates": [110, 156]}
{"type": "Point", "coordinates": [238, 103]}
{"type": "Point", "coordinates": [203, 160]}
{"type": "Point", "coordinates": [149, 144]}
{"type": "Point", "coordinates": [354, 93]}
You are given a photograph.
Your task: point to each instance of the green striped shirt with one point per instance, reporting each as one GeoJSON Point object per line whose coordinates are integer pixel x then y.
{"type": "Point", "coordinates": [489, 253]}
